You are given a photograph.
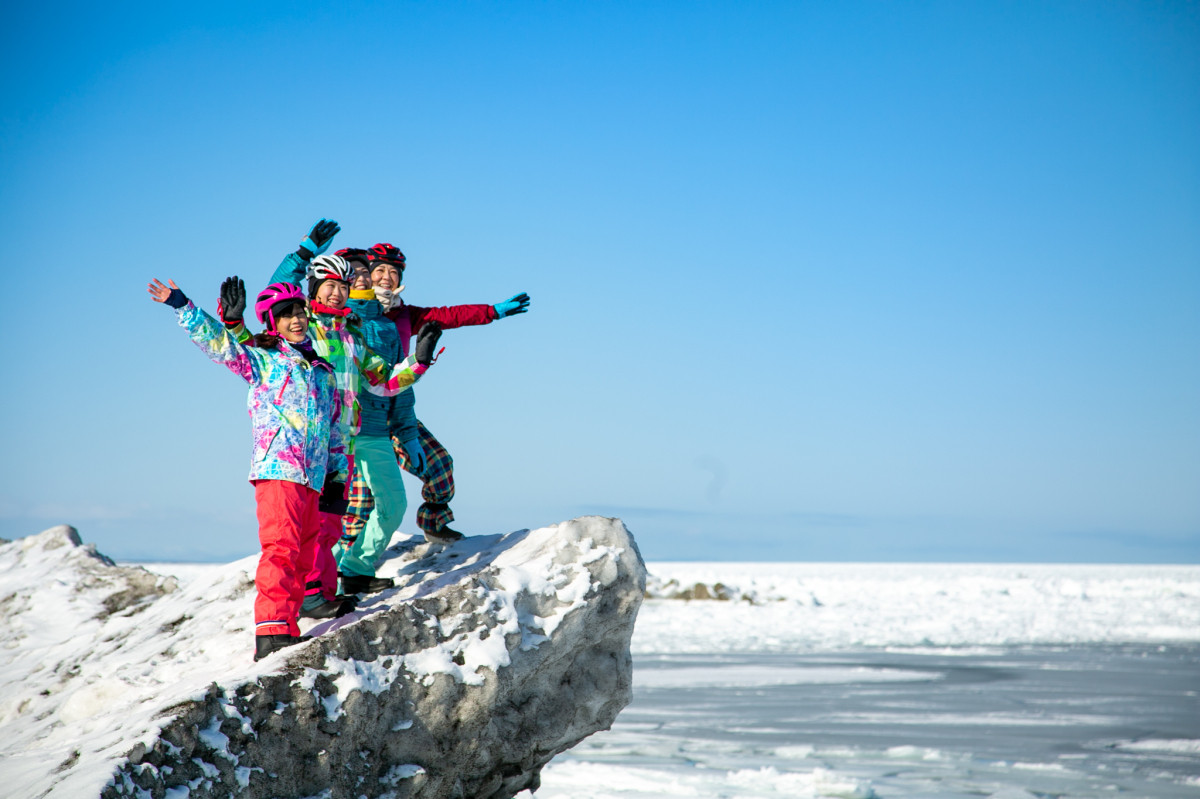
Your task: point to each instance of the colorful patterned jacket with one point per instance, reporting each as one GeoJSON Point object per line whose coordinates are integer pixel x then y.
{"type": "Point", "coordinates": [293, 405]}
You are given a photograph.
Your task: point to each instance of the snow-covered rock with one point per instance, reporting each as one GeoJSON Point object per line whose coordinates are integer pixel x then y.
{"type": "Point", "coordinates": [487, 659]}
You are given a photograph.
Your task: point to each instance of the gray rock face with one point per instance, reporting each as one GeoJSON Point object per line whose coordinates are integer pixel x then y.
{"type": "Point", "coordinates": [489, 658]}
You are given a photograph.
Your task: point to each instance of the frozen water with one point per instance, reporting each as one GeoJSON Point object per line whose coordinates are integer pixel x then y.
{"type": "Point", "coordinates": [905, 680]}
{"type": "Point", "coordinates": [1050, 721]}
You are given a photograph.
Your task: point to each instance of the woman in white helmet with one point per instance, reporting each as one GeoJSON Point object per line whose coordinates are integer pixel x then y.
{"type": "Point", "coordinates": [337, 338]}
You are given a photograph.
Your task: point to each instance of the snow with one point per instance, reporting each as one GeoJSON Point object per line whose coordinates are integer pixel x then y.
{"type": "Point", "coordinates": [82, 684]}
{"type": "Point", "coordinates": [1184, 747]}
{"type": "Point", "coordinates": [750, 676]}
{"type": "Point", "coordinates": [718, 681]}
{"type": "Point", "coordinates": [788, 607]}
{"type": "Point", "coordinates": [74, 680]}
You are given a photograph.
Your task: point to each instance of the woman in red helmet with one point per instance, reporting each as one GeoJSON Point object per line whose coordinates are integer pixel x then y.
{"type": "Point", "coordinates": [389, 324]}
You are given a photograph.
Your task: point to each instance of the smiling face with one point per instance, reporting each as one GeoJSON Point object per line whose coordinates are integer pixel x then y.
{"type": "Point", "coordinates": [362, 276]}
{"type": "Point", "coordinates": [385, 275]}
{"type": "Point", "coordinates": [291, 321]}
{"type": "Point", "coordinates": [333, 294]}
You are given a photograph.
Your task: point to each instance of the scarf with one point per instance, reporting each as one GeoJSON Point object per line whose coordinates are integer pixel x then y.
{"type": "Point", "coordinates": [388, 298]}
{"type": "Point", "coordinates": [319, 308]}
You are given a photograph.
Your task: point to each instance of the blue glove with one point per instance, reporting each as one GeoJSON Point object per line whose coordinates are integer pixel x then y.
{"type": "Point", "coordinates": [513, 306]}
{"type": "Point", "coordinates": [320, 237]}
{"type": "Point", "coordinates": [416, 456]}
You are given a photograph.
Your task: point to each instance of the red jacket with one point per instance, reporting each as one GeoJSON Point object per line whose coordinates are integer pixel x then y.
{"type": "Point", "coordinates": [409, 318]}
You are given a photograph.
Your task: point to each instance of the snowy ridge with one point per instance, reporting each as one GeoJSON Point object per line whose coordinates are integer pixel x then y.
{"type": "Point", "coordinates": [111, 670]}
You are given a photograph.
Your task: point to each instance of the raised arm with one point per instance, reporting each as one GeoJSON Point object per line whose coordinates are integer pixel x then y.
{"type": "Point", "coordinates": [208, 334]}
{"type": "Point", "coordinates": [232, 306]}
{"type": "Point", "coordinates": [295, 264]}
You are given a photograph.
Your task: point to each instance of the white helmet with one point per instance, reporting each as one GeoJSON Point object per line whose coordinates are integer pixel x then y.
{"type": "Point", "coordinates": [330, 267]}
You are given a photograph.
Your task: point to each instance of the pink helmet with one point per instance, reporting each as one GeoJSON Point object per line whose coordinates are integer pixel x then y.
{"type": "Point", "coordinates": [272, 294]}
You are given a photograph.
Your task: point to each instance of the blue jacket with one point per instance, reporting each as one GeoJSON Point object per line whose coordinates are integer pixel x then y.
{"type": "Point", "coordinates": [384, 339]}
{"type": "Point", "coordinates": [404, 321]}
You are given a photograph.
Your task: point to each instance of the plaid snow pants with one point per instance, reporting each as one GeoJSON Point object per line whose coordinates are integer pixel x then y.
{"type": "Point", "coordinates": [437, 489]}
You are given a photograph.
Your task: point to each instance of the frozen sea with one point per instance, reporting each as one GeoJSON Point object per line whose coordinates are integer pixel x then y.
{"type": "Point", "coordinates": [902, 680]}
{"type": "Point", "coordinates": [905, 680]}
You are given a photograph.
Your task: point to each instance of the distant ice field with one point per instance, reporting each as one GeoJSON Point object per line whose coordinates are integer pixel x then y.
{"type": "Point", "coordinates": [810, 607]}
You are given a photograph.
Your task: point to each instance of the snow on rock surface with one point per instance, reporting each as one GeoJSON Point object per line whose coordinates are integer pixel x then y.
{"type": "Point", "coordinates": [487, 659]}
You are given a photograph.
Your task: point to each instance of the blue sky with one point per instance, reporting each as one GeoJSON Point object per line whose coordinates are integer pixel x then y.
{"type": "Point", "coordinates": [811, 281]}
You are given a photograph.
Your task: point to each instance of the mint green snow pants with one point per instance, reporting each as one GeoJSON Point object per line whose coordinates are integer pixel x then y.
{"type": "Point", "coordinates": [375, 465]}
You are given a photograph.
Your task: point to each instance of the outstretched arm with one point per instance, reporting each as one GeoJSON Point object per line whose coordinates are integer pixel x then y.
{"type": "Point", "coordinates": [451, 316]}
{"type": "Point", "coordinates": [409, 370]}
{"type": "Point", "coordinates": [170, 296]}
{"type": "Point", "coordinates": [209, 335]}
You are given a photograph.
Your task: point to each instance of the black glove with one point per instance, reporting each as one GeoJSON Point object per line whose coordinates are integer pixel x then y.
{"type": "Point", "coordinates": [317, 240]}
{"type": "Point", "coordinates": [232, 304]}
{"type": "Point", "coordinates": [176, 299]}
{"type": "Point", "coordinates": [427, 339]}
{"type": "Point", "coordinates": [333, 497]}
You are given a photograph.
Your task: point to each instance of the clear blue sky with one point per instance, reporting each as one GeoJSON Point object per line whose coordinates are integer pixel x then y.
{"type": "Point", "coordinates": [811, 281]}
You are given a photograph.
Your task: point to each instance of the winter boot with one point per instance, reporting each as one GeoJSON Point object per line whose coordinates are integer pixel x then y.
{"type": "Point", "coordinates": [318, 607]}
{"type": "Point", "coordinates": [443, 535]}
{"type": "Point", "coordinates": [266, 644]}
{"type": "Point", "coordinates": [364, 584]}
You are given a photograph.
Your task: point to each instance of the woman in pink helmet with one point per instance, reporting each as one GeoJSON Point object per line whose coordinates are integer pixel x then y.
{"type": "Point", "coordinates": [299, 453]}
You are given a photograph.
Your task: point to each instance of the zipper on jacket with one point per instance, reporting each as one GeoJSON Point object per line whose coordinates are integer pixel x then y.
{"type": "Point", "coordinates": [287, 378]}
{"type": "Point", "coordinates": [314, 389]}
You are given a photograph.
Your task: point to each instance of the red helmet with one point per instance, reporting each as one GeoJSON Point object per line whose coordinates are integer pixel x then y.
{"type": "Point", "coordinates": [386, 252]}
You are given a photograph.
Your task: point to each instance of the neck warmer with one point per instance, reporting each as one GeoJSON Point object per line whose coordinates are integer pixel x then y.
{"type": "Point", "coordinates": [319, 308]}
{"type": "Point", "coordinates": [388, 298]}
{"type": "Point", "coordinates": [306, 349]}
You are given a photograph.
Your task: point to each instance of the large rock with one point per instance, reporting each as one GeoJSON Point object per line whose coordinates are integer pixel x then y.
{"type": "Point", "coordinates": [489, 658]}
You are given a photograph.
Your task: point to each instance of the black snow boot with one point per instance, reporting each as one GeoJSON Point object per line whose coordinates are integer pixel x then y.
{"type": "Point", "coordinates": [443, 535]}
{"type": "Point", "coordinates": [363, 584]}
{"type": "Point", "coordinates": [266, 644]}
{"type": "Point", "coordinates": [326, 609]}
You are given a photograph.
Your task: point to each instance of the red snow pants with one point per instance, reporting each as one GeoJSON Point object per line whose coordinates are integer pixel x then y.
{"type": "Point", "coordinates": [288, 526]}
{"type": "Point", "coordinates": [322, 577]}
